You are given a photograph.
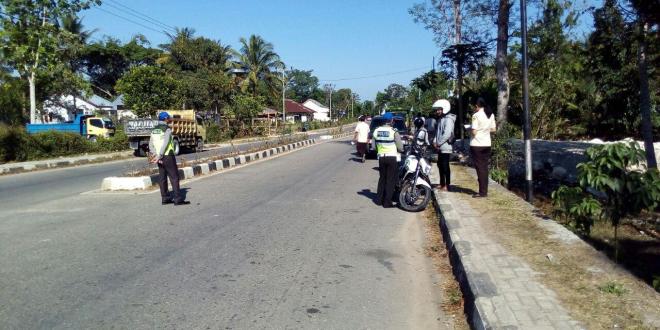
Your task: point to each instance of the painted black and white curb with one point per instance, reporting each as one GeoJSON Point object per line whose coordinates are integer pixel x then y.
{"type": "Point", "coordinates": [205, 167]}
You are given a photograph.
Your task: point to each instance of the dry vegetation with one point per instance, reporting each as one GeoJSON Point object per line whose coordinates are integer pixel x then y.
{"type": "Point", "coordinates": [597, 292]}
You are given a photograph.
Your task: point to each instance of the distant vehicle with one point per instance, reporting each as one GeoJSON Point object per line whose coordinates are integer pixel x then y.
{"type": "Point", "coordinates": [187, 129]}
{"type": "Point", "coordinates": [398, 123]}
{"type": "Point", "coordinates": [90, 127]}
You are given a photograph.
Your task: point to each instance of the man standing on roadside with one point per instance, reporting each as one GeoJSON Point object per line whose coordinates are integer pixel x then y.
{"type": "Point", "coordinates": [388, 146]}
{"type": "Point", "coordinates": [161, 152]}
{"type": "Point", "coordinates": [361, 137]}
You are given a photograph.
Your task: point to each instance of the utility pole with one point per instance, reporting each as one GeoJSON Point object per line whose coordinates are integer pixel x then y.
{"type": "Point", "coordinates": [283, 99]}
{"type": "Point", "coordinates": [330, 87]}
{"type": "Point", "coordinates": [352, 100]}
{"type": "Point", "coordinates": [526, 124]}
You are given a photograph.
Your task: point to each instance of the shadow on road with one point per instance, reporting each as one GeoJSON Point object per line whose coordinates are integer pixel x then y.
{"type": "Point", "coordinates": [462, 190]}
{"type": "Point", "coordinates": [369, 194]}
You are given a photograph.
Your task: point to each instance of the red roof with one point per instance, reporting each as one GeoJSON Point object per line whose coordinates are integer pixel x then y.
{"type": "Point", "coordinates": [295, 107]}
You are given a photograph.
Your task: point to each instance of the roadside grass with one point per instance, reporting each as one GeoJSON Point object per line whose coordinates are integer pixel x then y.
{"type": "Point", "coordinates": [595, 291]}
{"type": "Point", "coordinates": [436, 249]}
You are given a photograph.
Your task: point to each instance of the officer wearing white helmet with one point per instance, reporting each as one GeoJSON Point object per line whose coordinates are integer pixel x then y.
{"type": "Point", "coordinates": [387, 142]}
{"type": "Point", "coordinates": [161, 152]}
{"type": "Point", "coordinates": [444, 139]}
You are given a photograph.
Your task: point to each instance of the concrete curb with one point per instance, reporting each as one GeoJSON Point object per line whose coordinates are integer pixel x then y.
{"type": "Point", "coordinates": [13, 168]}
{"type": "Point", "coordinates": [491, 301]}
{"type": "Point", "coordinates": [206, 166]}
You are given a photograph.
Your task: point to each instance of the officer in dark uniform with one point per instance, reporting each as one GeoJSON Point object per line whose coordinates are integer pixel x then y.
{"type": "Point", "coordinates": [161, 152]}
{"type": "Point", "coordinates": [388, 146]}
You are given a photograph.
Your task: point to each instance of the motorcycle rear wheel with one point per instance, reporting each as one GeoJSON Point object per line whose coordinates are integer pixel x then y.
{"type": "Point", "coordinates": [414, 198]}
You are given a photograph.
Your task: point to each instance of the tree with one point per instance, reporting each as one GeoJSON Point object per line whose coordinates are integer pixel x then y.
{"type": "Point", "coordinates": [31, 38]}
{"type": "Point", "coordinates": [260, 63]}
{"type": "Point", "coordinates": [445, 18]}
{"type": "Point", "coordinates": [245, 106]}
{"type": "Point", "coordinates": [104, 62]}
{"type": "Point", "coordinates": [302, 84]}
{"type": "Point", "coordinates": [647, 15]}
{"type": "Point", "coordinates": [147, 89]}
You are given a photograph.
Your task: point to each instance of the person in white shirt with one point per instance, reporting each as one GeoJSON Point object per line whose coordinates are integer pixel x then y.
{"type": "Point", "coordinates": [361, 137]}
{"type": "Point", "coordinates": [483, 123]}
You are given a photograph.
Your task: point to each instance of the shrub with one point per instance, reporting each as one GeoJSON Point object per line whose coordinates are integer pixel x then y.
{"type": "Point", "coordinates": [12, 142]}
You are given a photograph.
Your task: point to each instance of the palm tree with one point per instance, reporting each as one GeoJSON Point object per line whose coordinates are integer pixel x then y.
{"type": "Point", "coordinates": [73, 25]}
{"type": "Point", "coordinates": [260, 64]}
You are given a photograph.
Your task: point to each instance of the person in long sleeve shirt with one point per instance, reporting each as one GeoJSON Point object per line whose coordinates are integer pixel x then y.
{"type": "Point", "coordinates": [161, 148]}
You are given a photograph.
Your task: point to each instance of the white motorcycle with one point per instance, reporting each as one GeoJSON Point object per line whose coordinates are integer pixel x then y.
{"type": "Point", "coordinates": [414, 184]}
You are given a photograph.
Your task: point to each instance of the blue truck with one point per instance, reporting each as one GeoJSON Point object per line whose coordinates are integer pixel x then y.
{"type": "Point", "coordinates": [90, 127]}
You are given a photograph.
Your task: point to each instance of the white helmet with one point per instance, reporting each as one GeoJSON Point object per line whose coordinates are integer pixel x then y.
{"type": "Point", "coordinates": [444, 104]}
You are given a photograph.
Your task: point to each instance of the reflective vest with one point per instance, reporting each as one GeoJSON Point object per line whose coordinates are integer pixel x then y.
{"type": "Point", "coordinates": [157, 136]}
{"type": "Point", "coordinates": [385, 145]}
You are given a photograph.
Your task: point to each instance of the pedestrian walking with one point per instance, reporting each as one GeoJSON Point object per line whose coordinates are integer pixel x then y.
{"type": "Point", "coordinates": [161, 152]}
{"type": "Point", "coordinates": [483, 123]}
{"type": "Point", "coordinates": [387, 143]}
{"type": "Point", "coordinates": [361, 137]}
{"type": "Point", "coordinates": [444, 140]}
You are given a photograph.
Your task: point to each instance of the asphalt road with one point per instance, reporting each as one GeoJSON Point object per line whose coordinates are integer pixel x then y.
{"type": "Point", "coordinates": [46, 185]}
{"type": "Point", "coordinates": [290, 242]}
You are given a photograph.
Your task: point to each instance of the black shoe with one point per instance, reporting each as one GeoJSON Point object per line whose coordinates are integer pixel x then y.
{"type": "Point", "coordinates": [182, 203]}
{"type": "Point", "coordinates": [167, 201]}
{"type": "Point", "coordinates": [388, 206]}
{"type": "Point", "coordinates": [478, 196]}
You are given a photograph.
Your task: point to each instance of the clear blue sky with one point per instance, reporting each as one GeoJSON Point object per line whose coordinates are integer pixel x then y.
{"type": "Point", "coordinates": [336, 39]}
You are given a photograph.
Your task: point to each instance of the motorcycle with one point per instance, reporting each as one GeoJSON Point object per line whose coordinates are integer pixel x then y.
{"type": "Point", "coordinates": [414, 186]}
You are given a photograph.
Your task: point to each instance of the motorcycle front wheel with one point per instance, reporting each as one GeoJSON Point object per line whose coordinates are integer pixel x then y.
{"type": "Point", "coordinates": [414, 198]}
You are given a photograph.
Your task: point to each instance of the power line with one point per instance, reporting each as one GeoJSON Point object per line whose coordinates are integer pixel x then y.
{"type": "Point", "coordinates": [377, 75]}
{"type": "Point", "coordinates": [139, 15]}
{"type": "Point", "coordinates": [130, 20]}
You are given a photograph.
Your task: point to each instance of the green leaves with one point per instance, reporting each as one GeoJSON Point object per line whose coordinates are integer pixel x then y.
{"type": "Point", "coordinates": [147, 89]}
{"type": "Point", "coordinates": [613, 172]}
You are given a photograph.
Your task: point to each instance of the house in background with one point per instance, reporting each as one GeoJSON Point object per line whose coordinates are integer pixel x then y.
{"type": "Point", "coordinates": [298, 112]}
{"type": "Point", "coordinates": [66, 107]}
{"type": "Point", "coordinates": [320, 112]}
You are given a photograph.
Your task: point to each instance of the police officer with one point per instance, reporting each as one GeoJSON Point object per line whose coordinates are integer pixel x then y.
{"type": "Point", "coordinates": [388, 146]}
{"type": "Point", "coordinates": [161, 149]}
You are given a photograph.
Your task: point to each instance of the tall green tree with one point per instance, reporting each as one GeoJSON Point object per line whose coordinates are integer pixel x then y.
{"type": "Point", "coordinates": [258, 59]}
{"type": "Point", "coordinates": [147, 89]}
{"type": "Point", "coordinates": [302, 84]}
{"type": "Point", "coordinates": [31, 38]}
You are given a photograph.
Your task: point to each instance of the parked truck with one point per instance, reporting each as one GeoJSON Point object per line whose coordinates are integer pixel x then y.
{"type": "Point", "coordinates": [90, 127]}
{"type": "Point", "coordinates": [187, 130]}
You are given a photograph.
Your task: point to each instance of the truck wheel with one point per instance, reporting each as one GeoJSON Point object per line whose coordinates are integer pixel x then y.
{"type": "Point", "coordinates": [92, 138]}
{"type": "Point", "coordinates": [177, 147]}
{"type": "Point", "coordinates": [199, 145]}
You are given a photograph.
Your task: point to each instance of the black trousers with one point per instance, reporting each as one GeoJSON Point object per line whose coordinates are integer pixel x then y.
{"type": "Point", "coordinates": [387, 167]}
{"type": "Point", "coordinates": [167, 168]}
{"type": "Point", "coordinates": [481, 157]}
{"type": "Point", "coordinates": [443, 168]}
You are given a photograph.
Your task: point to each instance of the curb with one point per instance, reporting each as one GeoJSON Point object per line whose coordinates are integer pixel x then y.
{"type": "Point", "coordinates": [205, 167]}
{"type": "Point", "coordinates": [485, 302]}
{"type": "Point", "coordinates": [14, 168]}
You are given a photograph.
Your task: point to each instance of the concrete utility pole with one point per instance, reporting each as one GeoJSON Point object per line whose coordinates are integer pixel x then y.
{"type": "Point", "coordinates": [330, 87]}
{"type": "Point", "coordinates": [526, 125]}
{"type": "Point", "coordinates": [283, 99]}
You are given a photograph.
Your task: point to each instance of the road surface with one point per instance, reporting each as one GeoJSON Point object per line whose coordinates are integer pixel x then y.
{"type": "Point", "coordinates": [290, 242]}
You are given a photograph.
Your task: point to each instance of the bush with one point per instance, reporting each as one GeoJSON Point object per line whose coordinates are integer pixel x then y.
{"type": "Point", "coordinates": [12, 142]}
{"type": "Point", "coordinates": [17, 145]}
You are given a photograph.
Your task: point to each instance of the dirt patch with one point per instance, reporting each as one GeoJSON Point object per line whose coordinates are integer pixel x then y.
{"type": "Point", "coordinates": [639, 239]}
{"type": "Point", "coordinates": [596, 292]}
{"type": "Point", "coordinates": [436, 249]}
